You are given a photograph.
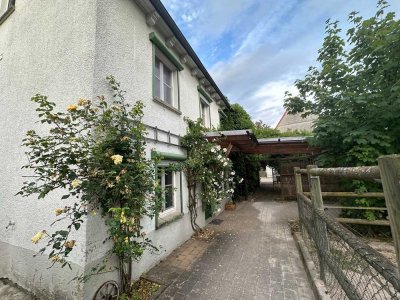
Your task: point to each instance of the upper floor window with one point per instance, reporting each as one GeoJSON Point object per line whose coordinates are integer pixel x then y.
{"type": "Point", "coordinates": [163, 82]}
{"type": "Point", "coordinates": [205, 113]}
{"type": "Point", "coordinates": [165, 74]}
{"type": "Point", "coordinates": [6, 8]}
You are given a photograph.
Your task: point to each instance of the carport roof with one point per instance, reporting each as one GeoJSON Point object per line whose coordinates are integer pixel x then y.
{"type": "Point", "coordinates": [245, 141]}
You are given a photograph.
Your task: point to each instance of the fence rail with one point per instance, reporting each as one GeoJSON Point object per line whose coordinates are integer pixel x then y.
{"type": "Point", "coordinates": [350, 268]}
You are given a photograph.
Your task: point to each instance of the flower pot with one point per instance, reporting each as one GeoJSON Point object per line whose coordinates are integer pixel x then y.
{"type": "Point", "coordinates": [230, 206]}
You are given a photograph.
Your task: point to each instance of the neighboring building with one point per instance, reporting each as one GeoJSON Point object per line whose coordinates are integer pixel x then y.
{"type": "Point", "coordinates": [65, 50]}
{"type": "Point", "coordinates": [295, 122]}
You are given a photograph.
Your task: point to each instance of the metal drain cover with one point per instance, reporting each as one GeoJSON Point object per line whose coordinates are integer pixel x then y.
{"type": "Point", "coordinates": [216, 221]}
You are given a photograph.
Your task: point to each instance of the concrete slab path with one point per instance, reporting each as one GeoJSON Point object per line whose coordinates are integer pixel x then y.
{"type": "Point", "coordinates": [252, 256]}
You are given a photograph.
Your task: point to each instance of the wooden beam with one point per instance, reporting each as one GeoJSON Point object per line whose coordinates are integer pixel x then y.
{"type": "Point", "coordinates": [355, 207]}
{"type": "Point", "coordinates": [389, 167]}
{"type": "Point", "coordinates": [228, 149]}
{"type": "Point", "coordinates": [363, 222]}
{"type": "Point", "coordinates": [350, 194]}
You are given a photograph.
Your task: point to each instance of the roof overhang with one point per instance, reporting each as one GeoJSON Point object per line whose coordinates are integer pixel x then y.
{"type": "Point", "coordinates": [246, 142]}
{"type": "Point", "coordinates": [158, 16]}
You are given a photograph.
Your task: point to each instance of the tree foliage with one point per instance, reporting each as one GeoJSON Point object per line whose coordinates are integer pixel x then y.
{"type": "Point", "coordinates": [356, 91]}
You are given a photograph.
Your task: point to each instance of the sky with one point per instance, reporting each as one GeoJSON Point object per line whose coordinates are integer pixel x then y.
{"type": "Point", "coordinates": [256, 49]}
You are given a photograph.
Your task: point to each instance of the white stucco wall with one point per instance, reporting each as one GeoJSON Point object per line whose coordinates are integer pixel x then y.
{"type": "Point", "coordinates": [46, 47]}
{"type": "Point", "coordinates": [65, 49]}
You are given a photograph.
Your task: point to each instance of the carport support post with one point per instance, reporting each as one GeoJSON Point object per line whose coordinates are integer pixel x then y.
{"type": "Point", "coordinates": [390, 174]}
{"type": "Point", "coordinates": [299, 190]}
{"type": "Point", "coordinates": [321, 233]}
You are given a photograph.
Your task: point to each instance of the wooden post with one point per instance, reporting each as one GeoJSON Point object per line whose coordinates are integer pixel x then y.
{"type": "Point", "coordinates": [390, 174]}
{"type": "Point", "coordinates": [299, 190]}
{"type": "Point", "coordinates": [321, 233]}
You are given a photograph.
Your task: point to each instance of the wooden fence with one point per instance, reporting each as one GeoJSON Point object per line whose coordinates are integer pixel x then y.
{"type": "Point", "coordinates": [387, 172]}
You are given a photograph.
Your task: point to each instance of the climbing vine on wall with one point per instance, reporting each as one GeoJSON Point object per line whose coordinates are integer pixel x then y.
{"type": "Point", "coordinates": [209, 174]}
{"type": "Point", "coordinates": [95, 153]}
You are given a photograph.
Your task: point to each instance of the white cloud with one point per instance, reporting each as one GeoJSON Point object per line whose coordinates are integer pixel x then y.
{"type": "Point", "coordinates": [257, 48]}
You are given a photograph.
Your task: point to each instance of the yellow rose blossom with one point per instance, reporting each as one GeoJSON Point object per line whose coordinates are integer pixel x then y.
{"type": "Point", "coordinates": [75, 183]}
{"type": "Point", "coordinates": [117, 159]}
{"type": "Point", "coordinates": [110, 185]}
{"type": "Point", "coordinates": [37, 237]}
{"type": "Point", "coordinates": [122, 220]}
{"type": "Point", "coordinates": [58, 211]}
{"type": "Point", "coordinates": [69, 244]}
{"type": "Point", "coordinates": [83, 102]}
{"type": "Point", "coordinates": [125, 138]}
{"type": "Point", "coordinates": [56, 258]}
{"type": "Point", "coordinates": [72, 107]}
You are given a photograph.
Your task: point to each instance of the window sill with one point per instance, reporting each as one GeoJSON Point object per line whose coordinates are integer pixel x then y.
{"type": "Point", "coordinates": [168, 219]}
{"type": "Point", "coordinates": [6, 14]}
{"type": "Point", "coordinates": [166, 105]}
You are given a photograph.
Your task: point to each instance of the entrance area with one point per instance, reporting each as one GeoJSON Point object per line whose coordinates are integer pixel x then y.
{"type": "Point", "coordinates": [252, 256]}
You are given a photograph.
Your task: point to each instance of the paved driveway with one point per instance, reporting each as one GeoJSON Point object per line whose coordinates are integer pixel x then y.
{"type": "Point", "coordinates": [253, 256]}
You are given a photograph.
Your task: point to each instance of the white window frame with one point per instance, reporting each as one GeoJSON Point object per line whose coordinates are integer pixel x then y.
{"type": "Point", "coordinates": [174, 85]}
{"type": "Point", "coordinates": [173, 208]}
{"type": "Point", "coordinates": [207, 119]}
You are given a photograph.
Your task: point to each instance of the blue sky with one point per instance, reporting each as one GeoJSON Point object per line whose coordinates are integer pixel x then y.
{"type": "Point", "coordinates": [256, 49]}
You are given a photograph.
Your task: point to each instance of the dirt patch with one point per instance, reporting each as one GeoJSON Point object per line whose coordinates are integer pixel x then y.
{"type": "Point", "coordinates": [204, 235]}
{"type": "Point", "coordinates": [143, 289]}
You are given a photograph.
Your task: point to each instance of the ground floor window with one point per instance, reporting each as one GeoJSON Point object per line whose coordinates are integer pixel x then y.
{"type": "Point", "coordinates": [167, 182]}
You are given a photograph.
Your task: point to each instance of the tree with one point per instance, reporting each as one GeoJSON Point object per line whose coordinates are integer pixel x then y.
{"type": "Point", "coordinates": [237, 118]}
{"type": "Point", "coordinates": [246, 166]}
{"type": "Point", "coordinates": [356, 92]}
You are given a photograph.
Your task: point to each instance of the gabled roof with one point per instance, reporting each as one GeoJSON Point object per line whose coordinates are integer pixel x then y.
{"type": "Point", "coordinates": [295, 122]}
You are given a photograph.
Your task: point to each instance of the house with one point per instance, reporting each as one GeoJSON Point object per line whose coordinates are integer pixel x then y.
{"type": "Point", "coordinates": [295, 122]}
{"type": "Point", "coordinates": [65, 50]}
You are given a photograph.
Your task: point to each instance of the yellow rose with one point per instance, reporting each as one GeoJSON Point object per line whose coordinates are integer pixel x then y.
{"type": "Point", "coordinates": [83, 102]}
{"type": "Point", "coordinates": [122, 220]}
{"type": "Point", "coordinates": [75, 183]}
{"type": "Point", "coordinates": [56, 258]}
{"type": "Point", "coordinates": [37, 237]}
{"type": "Point", "coordinates": [126, 240]}
{"type": "Point", "coordinates": [58, 211]}
{"type": "Point", "coordinates": [72, 107]}
{"type": "Point", "coordinates": [117, 159]}
{"type": "Point", "coordinates": [125, 138]}
{"type": "Point", "coordinates": [69, 244]}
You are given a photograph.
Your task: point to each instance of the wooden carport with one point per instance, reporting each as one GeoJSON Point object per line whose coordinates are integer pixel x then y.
{"type": "Point", "coordinates": [297, 150]}
{"type": "Point", "coordinates": [246, 142]}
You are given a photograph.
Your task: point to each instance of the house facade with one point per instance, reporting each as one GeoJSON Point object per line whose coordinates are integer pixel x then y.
{"type": "Point", "coordinates": [295, 122]}
{"type": "Point", "coordinates": [65, 50]}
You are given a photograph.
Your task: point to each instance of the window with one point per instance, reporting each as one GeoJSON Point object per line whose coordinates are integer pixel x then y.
{"type": "Point", "coordinates": [6, 8]}
{"type": "Point", "coordinates": [163, 82]}
{"type": "Point", "coordinates": [165, 74]}
{"type": "Point", "coordinates": [205, 113]}
{"type": "Point", "coordinates": [166, 181]}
